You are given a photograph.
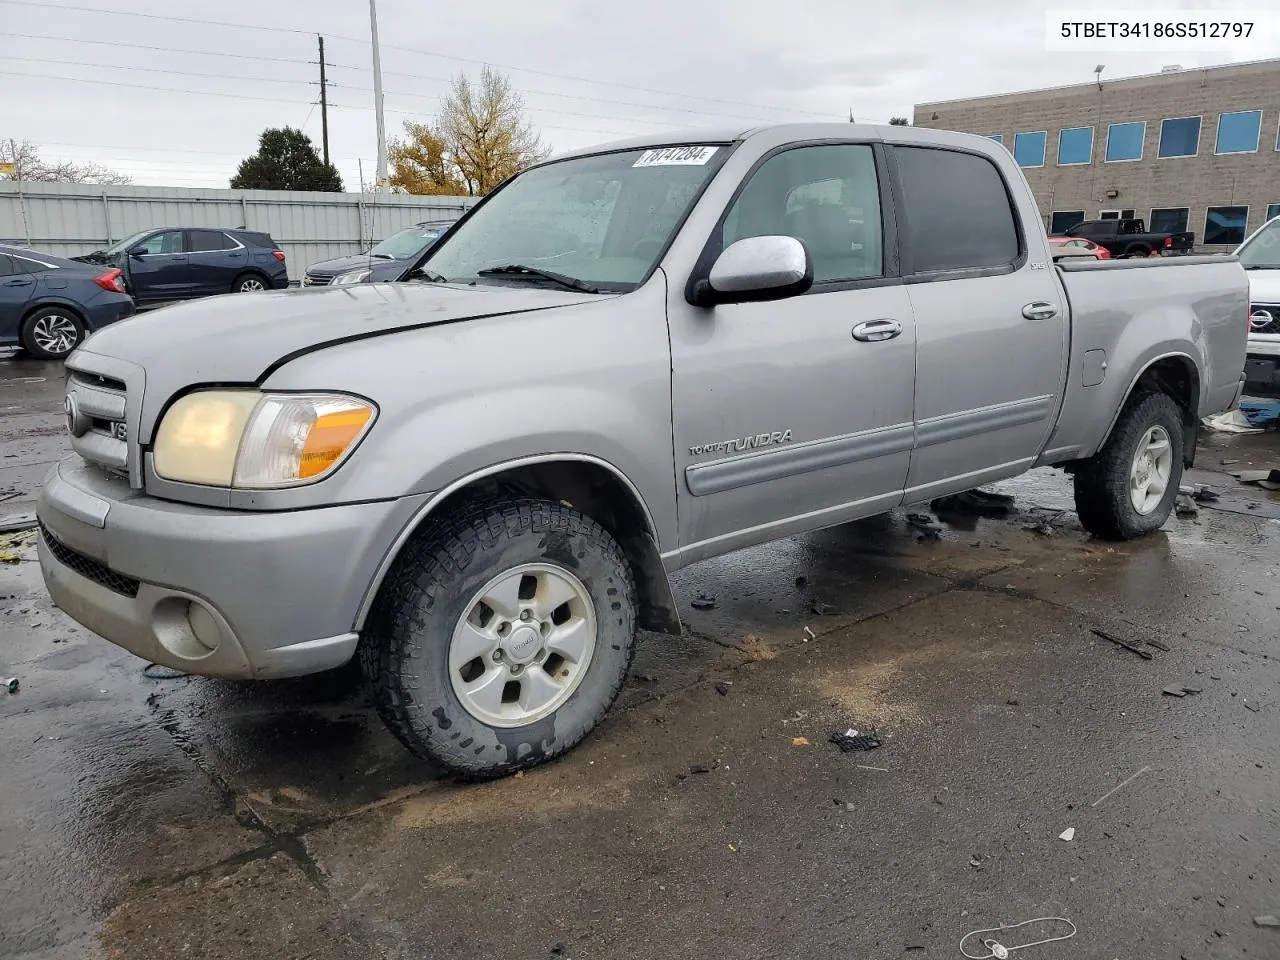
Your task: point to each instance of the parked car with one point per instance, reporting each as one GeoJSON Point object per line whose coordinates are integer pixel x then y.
{"type": "Point", "coordinates": [181, 263]}
{"type": "Point", "coordinates": [48, 305]}
{"type": "Point", "coordinates": [385, 261]}
{"type": "Point", "coordinates": [479, 486]}
{"type": "Point", "coordinates": [1081, 245]}
{"type": "Point", "coordinates": [1129, 238]}
{"type": "Point", "coordinates": [1260, 255]}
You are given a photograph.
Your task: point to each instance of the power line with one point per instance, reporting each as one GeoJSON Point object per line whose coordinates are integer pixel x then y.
{"type": "Point", "coordinates": [426, 53]}
{"type": "Point", "coordinates": [179, 73]}
{"type": "Point", "coordinates": [145, 46]}
{"type": "Point", "coordinates": [143, 86]}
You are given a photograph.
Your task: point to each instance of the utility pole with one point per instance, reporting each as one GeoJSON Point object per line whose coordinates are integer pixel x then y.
{"type": "Point", "coordinates": [324, 104]}
{"type": "Point", "coordinates": [381, 181]}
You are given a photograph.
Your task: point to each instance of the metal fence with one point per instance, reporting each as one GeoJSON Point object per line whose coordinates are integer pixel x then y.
{"type": "Point", "coordinates": [69, 219]}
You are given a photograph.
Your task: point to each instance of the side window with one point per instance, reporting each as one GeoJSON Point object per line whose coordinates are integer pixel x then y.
{"type": "Point", "coordinates": [22, 265]}
{"type": "Point", "coordinates": [168, 242]}
{"type": "Point", "coordinates": [6, 266]}
{"type": "Point", "coordinates": [203, 240]}
{"type": "Point", "coordinates": [959, 214]}
{"type": "Point", "coordinates": [828, 197]}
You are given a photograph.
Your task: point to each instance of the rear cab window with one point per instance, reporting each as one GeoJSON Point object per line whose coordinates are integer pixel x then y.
{"type": "Point", "coordinates": [958, 212]}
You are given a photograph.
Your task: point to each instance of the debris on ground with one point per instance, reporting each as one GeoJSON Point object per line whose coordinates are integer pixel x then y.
{"type": "Point", "coordinates": [875, 769]}
{"type": "Point", "coordinates": [704, 601]}
{"type": "Point", "coordinates": [851, 741]}
{"type": "Point", "coordinates": [647, 677]}
{"type": "Point", "coordinates": [800, 715]}
{"type": "Point", "coordinates": [12, 545]}
{"type": "Point", "coordinates": [1184, 506]}
{"type": "Point", "coordinates": [824, 609]}
{"type": "Point", "coordinates": [722, 688]}
{"type": "Point", "coordinates": [1179, 690]}
{"type": "Point", "coordinates": [981, 503]}
{"type": "Point", "coordinates": [799, 741]}
{"type": "Point", "coordinates": [999, 951]}
{"type": "Point", "coordinates": [1267, 479]}
{"type": "Point", "coordinates": [1158, 645]}
{"type": "Point", "coordinates": [1120, 786]}
{"type": "Point", "coordinates": [800, 582]}
{"type": "Point", "coordinates": [1269, 920]}
{"type": "Point", "coordinates": [18, 523]}
{"type": "Point", "coordinates": [1227, 463]}
{"type": "Point", "coordinates": [156, 671]}
{"type": "Point", "coordinates": [1042, 529]}
{"type": "Point", "coordinates": [10, 684]}
{"type": "Point", "coordinates": [1145, 655]}
{"type": "Point", "coordinates": [1068, 834]}
{"type": "Point", "coordinates": [809, 635]}
{"type": "Point", "coordinates": [756, 650]}
{"type": "Point", "coordinates": [1205, 494]}
{"type": "Point", "coordinates": [1261, 413]}
{"type": "Point", "coordinates": [1253, 707]}
{"type": "Point", "coordinates": [699, 768]}
{"type": "Point", "coordinates": [1233, 421]}
{"type": "Point", "coordinates": [929, 528]}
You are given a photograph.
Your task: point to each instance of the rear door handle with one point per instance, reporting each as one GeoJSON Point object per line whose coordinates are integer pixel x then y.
{"type": "Point", "coordinates": [873, 331]}
{"type": "Point", "coordinates": [1040, 310]}
{"type": "Point", "coordinates": [19, 282]}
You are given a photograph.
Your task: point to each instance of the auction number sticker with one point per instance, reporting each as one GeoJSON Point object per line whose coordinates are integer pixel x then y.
{"type": "Point", "coordinates": [676, 157]}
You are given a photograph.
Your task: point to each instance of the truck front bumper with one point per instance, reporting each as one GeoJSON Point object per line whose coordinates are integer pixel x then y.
{"type": "Point", "coordinates": [207, 591]}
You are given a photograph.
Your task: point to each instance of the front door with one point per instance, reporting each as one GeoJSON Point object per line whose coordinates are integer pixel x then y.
{"type": "Point", "coordinates": [783, 418]}
{"type": "Point", "coordinates": [159, 267]}
{"type": "Point", "coordinates": [991, 322]}
{"type": "Point", "coordinates": [16, 287]}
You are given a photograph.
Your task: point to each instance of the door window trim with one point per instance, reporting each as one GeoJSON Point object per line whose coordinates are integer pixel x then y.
{"type": "Point", "coordinates": [959, 273]}
{"type": "Point", "coordinates": [187, 240]}
{"type": "Point", "coordinates": [890, 274]}
{"type": "Point", "coordinates": [180, 253]}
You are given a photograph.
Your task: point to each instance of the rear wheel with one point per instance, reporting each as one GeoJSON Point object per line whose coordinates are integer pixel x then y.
{"type": "Point", "coordinates": [248, 283]}
{"type": "Point", "coordinates": [1128, 488]}
{"type": "Point", "coordinates": [51, 333]}
{"type": "Point", "coordinates": [501, 636]}
{"type": "Point", "coordinates": [1137, 250]}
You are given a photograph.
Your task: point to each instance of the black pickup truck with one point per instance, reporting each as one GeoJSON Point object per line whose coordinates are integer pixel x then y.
{"type": "Point", "coordinates": [1129, 238]}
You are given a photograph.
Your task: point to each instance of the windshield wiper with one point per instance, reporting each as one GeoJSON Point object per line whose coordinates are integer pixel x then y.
{"type": "Point", "coordinates": [1262, 266]}
{"type": "Point", "coordinates": [520, 270]}
{"type": "Point", "coordinates": [422, 273]}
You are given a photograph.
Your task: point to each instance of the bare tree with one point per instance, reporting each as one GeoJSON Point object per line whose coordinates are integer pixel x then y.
{"type": "Point", "coordinates": [28, 166]}
{"type": "Point", "coordinates": [485, 131]}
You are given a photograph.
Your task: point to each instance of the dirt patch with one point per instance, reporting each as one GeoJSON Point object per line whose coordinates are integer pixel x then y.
{"type": "Point", "coordinates": [266, 909]}
{"type": "Point", "coordinates": [756, 650]}
{"type": "Point", "coordinates": [510, 800]}
{"type": "Point", "coordinates": [866, 693]}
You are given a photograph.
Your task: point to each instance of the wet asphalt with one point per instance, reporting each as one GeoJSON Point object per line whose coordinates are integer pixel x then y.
{"type": "Point", "coordinates": [159, 818]}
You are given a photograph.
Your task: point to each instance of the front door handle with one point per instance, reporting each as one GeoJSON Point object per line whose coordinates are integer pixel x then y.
{"type": "Point", "coordinates": [1040, 310]}
{"type": "Point", "coordinates": [19, 282]}
{"type": "Point", "coordinates": [873, 331]}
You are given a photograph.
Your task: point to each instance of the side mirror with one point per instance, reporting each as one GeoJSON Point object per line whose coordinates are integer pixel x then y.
{"type": "Point", "coordinates": [138, 252]}
{"type": "Point", "coordinates": [756, 269]}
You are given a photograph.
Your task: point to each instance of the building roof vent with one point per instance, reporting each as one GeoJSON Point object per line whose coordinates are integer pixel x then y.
{"type": "Point", "coordinates": [1172, 68]}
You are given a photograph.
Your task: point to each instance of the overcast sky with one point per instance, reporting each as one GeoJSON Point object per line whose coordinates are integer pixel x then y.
{"type": "Point", "coordinates": [589, 71]}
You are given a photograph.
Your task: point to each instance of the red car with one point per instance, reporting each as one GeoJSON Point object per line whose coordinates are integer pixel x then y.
{"type": "Point", "coordinates": [1086, 247]}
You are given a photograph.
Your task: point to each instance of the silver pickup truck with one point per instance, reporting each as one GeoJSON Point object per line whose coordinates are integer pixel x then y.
{"type": "Point", "coordinates": [625, 360]}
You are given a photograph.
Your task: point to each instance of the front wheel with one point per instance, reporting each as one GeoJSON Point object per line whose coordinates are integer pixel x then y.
{"type": "Point", "coordinates": [1128, 488]}
{"type": "Point", "coordinates": [51, 333]}
{"type": "Point", "coordinates": [501, 636]}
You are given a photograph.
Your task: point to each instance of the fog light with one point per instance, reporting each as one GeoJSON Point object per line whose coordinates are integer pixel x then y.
{"type": "Point", "coordinates": [185, 628]}
{"type": "Point", "coordinates": [203, 626]}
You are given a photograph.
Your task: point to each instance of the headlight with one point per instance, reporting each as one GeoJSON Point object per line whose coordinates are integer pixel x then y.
{"type": "Point", "coordinates": [243, 438]}
{"type": "Point", "coordinates": [355, 276]}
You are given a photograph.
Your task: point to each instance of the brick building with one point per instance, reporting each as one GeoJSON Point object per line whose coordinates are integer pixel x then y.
{"type": "Point", "coordinates": [1195, 149]}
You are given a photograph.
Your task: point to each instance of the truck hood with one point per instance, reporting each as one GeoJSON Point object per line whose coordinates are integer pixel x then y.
{"type": "Point", "coordinates": [1264, 286]}
{"type": "Point", "coordinates": [239, 338]}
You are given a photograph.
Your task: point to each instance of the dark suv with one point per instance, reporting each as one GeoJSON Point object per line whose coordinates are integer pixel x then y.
{"type": "Point", "coordinates": [178, 263]}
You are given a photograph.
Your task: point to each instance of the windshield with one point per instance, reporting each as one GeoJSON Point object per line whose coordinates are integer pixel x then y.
{"type": "Point", "coordinates": [125, 244]}
{"type": "Point", "coordinates": [1262, 250]}
{"type": "Point", "coordinates": [406, 244]}
{"type": "Point", "coordinates": [602, 220]}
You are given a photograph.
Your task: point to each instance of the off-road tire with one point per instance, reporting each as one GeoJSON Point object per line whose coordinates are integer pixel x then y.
{"type": "Point", "coordinates": [405, 647]}
{"type": "Point", "coordinates": [1102, 481]}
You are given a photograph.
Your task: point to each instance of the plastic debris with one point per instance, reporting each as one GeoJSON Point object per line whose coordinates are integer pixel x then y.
{"type": "Point", "coordinates": [809, 635]}
{"type": "Point", "coordinates": [1267, 479]}
{"type": "Point", "coordinates": [1261, 413]}
{"type": "Point", "coordinates": [799, 741]}
{"type": "Point", "coordinates": [1179, 690]}
{"type": "Point", "coordinates": [1233, 421]}
{"type": "Point", "coordinates": [824, 609]}
{"type": "Point", "coordinates": [1253, 707]}
{"type": "Point", "coordinates": [850, 744]}
{"type": "Point", "coordinates": [1068, 834]}
{"type": "Point", "coordinates": [11, 684]}
{"type": "Point", "coordinates": [704, 601]}
{"type": "Point", "coordinates": [981, 503]}
{"type": "Point", "coordinates": [1203, 494]}
{"type": "Point", "coordinates": [699, 768]}
{"type": "Point", "coordinates": [1120, 786]}
{"type": "Point", "coordinates": [1184, 506]}
{"type": "Point", "coordinates": [722, 688]}
{"type": "Point", "coordinates": [999, 951]}
{"type": "Point", "coordinates": [1145, 655]}
{"type": "Point", "coordinates": [1269, 920]}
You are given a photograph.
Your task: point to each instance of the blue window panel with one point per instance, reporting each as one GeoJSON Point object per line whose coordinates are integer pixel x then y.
{"type": "Point", "coordinates": [997, 138]}
{"type": "Point", "coordinates": [1239, 132]}
{"type": "Point", "coordinates": [1028, 149]}
{"type": "Point", "coordinates": [1124, 140]}
{"type": "Point", "coordinates": [1273, 211]}
{"type": "Point", "coordinates": [1179, 137]}
{"type": "Point", "coordinates": [1225, 225]}
{"type": "Point", "coordinates": [1168, 220]}
{"type": "Point", "coordinates": [1075, 145]}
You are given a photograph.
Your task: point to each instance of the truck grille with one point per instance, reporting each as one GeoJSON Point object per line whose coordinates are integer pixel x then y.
{"type": "Point", "coordinates": [88, 567]}
{"type": "Point", "coordinates": [96, 420]}
{"type": "Point", "coordinates": [312, 281]}
{"type": "Point", "coordinates": [1264, 318]}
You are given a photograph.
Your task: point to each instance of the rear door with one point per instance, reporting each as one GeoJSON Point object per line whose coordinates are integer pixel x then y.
{"type": "Point", "coordinates": [216, 259]}
{"type": "Point", "coordinates": [991, 330]}
{"type": "Point", "coordinates": [16, 288]}
{"type": "Point", "coordinates": [159, 267]}
{"type": "Point", "coordinates": [788, 414]}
